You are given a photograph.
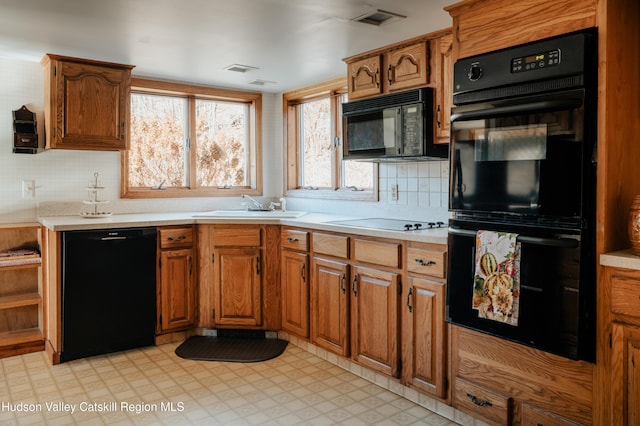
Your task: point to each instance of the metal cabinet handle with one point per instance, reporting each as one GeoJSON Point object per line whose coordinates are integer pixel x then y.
{"type": "Point", "coordinates": [342, 286]}
{"type": "Point", "coordinates": [479, 403]}
{"type": "Point", "coordinates": [292, 240]}
{"type": "Point", "coordinates": [178, 238]}
{"type": "Point", "coordinates": [304, 279]}
{"type": "Point", "coordinates": [438, 117]}
{"type": "Point", "coordinates": [353, 285]}
{"type": "Point", "coordinates": [409, 299]}
{"type": "Point", "coordinates": [421, 262]}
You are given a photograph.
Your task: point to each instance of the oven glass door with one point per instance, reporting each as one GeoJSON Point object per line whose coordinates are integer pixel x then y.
{"type": "Point", "coordinates": [552, 313]}
{"type": "Point", "coordinates": [525, 156]}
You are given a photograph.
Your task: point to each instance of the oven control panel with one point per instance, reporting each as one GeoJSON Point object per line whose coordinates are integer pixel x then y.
{"type": "Point", "coordinates": [536, 61]}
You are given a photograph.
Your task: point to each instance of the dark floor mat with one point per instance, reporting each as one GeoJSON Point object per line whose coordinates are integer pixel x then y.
{"type": "Point", "coordinates": [231, 349]}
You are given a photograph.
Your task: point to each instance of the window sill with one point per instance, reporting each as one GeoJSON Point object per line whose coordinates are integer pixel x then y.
{"type": "Point", "coordinates": [141, 193]}
{"type": "Point", "coordinates": [341, 194]}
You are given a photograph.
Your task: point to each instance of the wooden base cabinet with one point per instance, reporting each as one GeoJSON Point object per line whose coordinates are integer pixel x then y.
{"type": "Point", "coordinates": [375, 319]}
{"type": "Point", "coordinates": [329, 308]}
{"type": "Point", "coordinates": [295, 274]}
{"type": "Point", "coordinates": [501, 382]}
{"type": "Point", "coordinates": [624, 290]}
{"type": "Point", "coordinates": [239, 276]}
{"type": "Point", "coordinates": [21, 283]}
{"type": "Point", "coordinates": [424, 338]}
{"type": "Point", "coordinates": [626, 374]}
{"type": "Point", "coordinates": [176, 279]}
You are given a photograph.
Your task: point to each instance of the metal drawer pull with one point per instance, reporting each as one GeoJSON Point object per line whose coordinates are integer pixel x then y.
{"type": "Point", "coordinates": [409, 299]}
{"type": "Point", "coordinates": [477, 402]}
{"type": "Point", "coordinates": [342, 286]}
{"type": "Point", "coordinates": [423, 263]}
{"type": "Point", "coordinates": [292, 240]}
{"type": "Point", "coordinates": [178, 238]}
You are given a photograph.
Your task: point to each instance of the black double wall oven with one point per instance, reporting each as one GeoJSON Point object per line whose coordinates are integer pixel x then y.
{"type": "Point", "coordinates": [522, 195]}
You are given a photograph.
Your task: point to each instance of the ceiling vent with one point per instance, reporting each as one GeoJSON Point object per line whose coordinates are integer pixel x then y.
{"type": "Point", "coordinates": [240, 68]}
{"type": "Point", "coordinates": [378, 17]}
{"type": "Point", "coordinates": [261, 82]}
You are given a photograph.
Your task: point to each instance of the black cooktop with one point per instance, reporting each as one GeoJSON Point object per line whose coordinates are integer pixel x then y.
{"type": "Point", "coordinates": [389, 224]}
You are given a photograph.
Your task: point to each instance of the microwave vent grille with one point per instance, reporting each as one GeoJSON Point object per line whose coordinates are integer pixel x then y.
{"type": "Point", "coordinates": [392, 100]}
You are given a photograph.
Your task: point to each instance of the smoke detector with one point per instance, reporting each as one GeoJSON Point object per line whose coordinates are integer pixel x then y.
{"type": "Point", "coordinates": [378, 17]}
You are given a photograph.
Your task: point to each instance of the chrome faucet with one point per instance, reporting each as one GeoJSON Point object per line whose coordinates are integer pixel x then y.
{"type": "Point", "coordinates": [255, 204]}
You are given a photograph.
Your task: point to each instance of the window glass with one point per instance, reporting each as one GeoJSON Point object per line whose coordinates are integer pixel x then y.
{"type": "Point", "coordinates": [221, 133]}
{"type": "Point", "coordinates": [157, 142]}
{"type": "Point", "coordinates": [191, 141]}
{"type": "Point", "coordinates": [317, 151]}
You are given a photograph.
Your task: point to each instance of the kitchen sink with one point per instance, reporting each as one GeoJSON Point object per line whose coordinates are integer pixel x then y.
{"type": "Point", "coordinates": [251, 214]}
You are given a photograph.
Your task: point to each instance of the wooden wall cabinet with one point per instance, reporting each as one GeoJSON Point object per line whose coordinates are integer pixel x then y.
{"type": "Point", "coordinates": [87, 103]}
{"type": "Point", "coordinates": [388, 70]}
{"type": "Point", "coordinates": [21, 283]}
{"type": "Point", "coordinates": [176, 295]}
{"type": "Point", "coordinates": [442, 66]}
{"type": "Point", "coordinates": [295, 277]}
{"type": "Point", "coordinates": [481, 26]}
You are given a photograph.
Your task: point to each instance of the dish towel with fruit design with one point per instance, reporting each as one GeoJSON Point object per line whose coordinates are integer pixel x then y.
{"type": "Point", "coordinates": [496, 287]}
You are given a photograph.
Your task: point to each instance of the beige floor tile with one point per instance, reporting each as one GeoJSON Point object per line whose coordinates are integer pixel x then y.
{"type": "Point", "coordinates": [151, 386]}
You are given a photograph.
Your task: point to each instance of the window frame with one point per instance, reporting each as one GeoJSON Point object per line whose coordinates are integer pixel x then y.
{"type": "Point", "coordinates": [292, 145]}
{"type": "Point", "coordinates": [192, 92]}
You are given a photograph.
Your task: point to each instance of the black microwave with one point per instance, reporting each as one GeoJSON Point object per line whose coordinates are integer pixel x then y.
{"type": "Point", "coordinates": [388, 127]}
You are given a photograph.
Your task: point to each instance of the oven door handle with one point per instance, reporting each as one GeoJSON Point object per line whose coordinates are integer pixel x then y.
{"type": "Point", "coordinates": [552, 242]}
{"type": "Point", "coordinates": [550, 105]}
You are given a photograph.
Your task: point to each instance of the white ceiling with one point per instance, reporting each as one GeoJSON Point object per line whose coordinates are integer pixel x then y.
{"type": "Point", "coordinates": [293, 42]}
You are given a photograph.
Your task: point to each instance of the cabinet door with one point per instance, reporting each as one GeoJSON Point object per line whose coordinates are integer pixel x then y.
{"type": "Point", "coordinates": [91, 105]}
{"type": "Point", "coordinates": [443, 65]}
{"type": "Point", "coordinates": [330, 305]}
{"type": "Point", "coordinates": [177, 289]}
{"type": "Point", "coordinates": [424, 363]}
{"type": "Point", "coordinates": [364, 77]}
{"type": "Point", "coordinates": [295, 292]}
{"type": "Point", "coordinates": [625, 358]}
{"type": "Point", "coordinates": [238, 286]}
{"type": "Point", "coordinates": [375, 319]}
{"type": "Point", "coordinates": [407, 67]}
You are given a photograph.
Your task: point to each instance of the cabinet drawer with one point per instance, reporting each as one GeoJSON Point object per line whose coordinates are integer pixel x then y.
{"type": "Point", "coordinates": [625, 296]}
{"type": "Point", "coordinates": [176, 237]}
{"type": "Point", "coordinates": [532, 416]}
{"type": "Point", "coordinates": [332, 245]}
{"type": "Point", "coordinates": [236, 236]}
{"type": "Point", "coordinates": [379, 253]}
{"type": "Point", "coordinates": [295, 239]}
{"type": "Point", "coordinates": [426, 261]}
{"type": "Point", "coordinates": [483, 403]}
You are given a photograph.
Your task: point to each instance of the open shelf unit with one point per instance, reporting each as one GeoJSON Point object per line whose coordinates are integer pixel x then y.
{"type": "Point", "coordinates": [21, 279]}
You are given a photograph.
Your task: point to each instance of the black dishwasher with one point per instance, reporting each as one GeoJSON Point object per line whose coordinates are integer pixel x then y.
{"type": "Point", "coordinates": [108, 291]}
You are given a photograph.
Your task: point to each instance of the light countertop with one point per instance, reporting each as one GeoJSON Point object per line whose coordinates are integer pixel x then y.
{"type": "Point", "coordinates": [620, 259]}
{"type": "Point", "coordinates": [315, 221]}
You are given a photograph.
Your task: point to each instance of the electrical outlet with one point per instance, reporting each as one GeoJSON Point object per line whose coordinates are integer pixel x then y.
{"type": "Point", "coordinates": [394, 192]}
{"type": "Point", "coordinates": [28, 188]}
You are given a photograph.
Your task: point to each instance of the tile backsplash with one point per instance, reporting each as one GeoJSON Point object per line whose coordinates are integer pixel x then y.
{"type": "Point", "coordinates": [414, 184]}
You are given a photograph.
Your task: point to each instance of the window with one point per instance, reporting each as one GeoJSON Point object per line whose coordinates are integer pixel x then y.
{"type": "Point", "coordinates": [189, 140]}
{"type": "Point", "coordinates": [315, 168]}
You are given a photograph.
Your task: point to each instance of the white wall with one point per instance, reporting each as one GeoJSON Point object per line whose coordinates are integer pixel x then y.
{"type": "Point", "coordinates": [62, 175]}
